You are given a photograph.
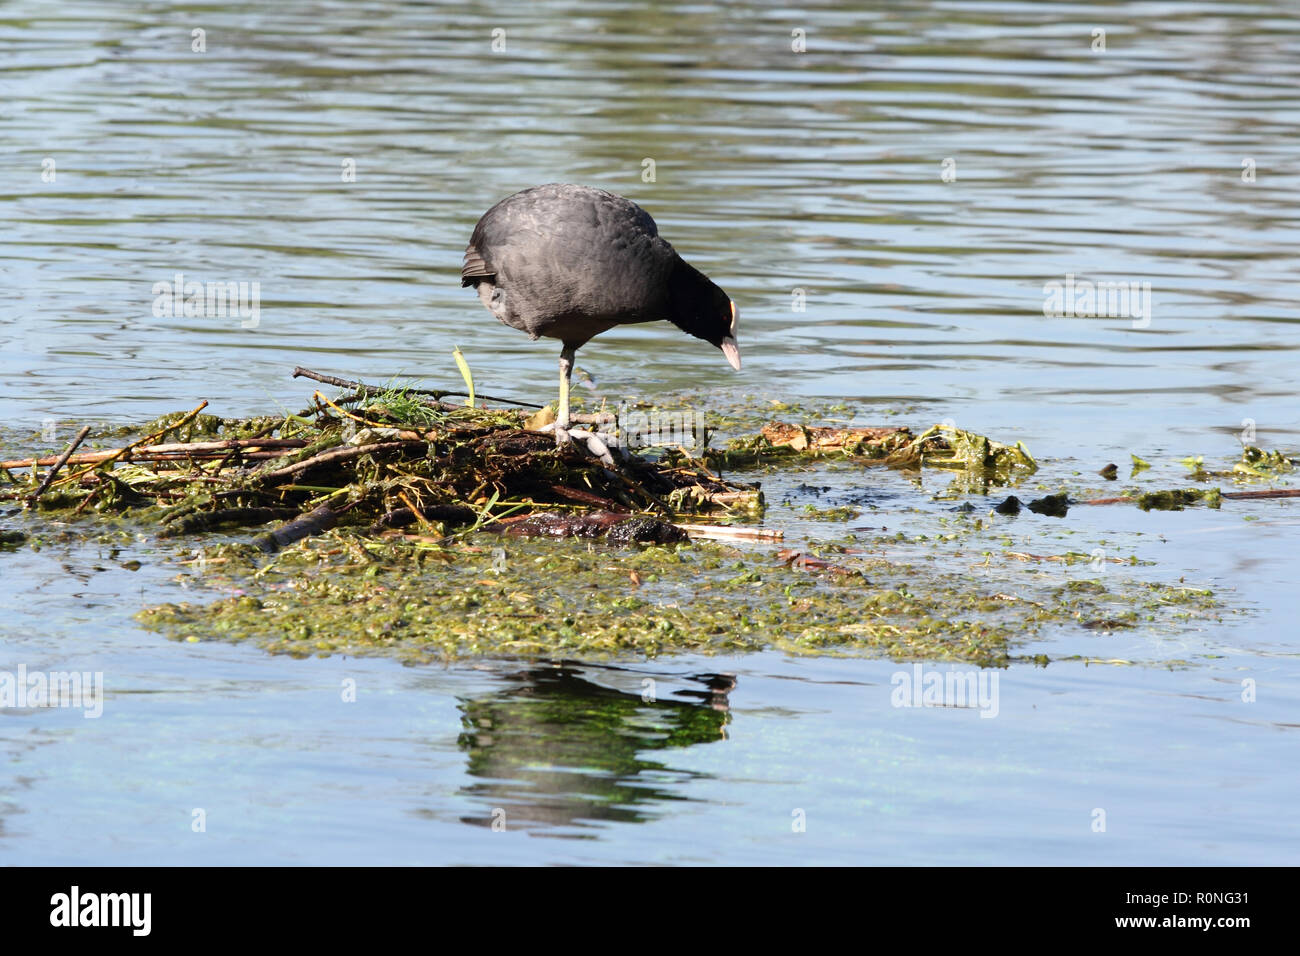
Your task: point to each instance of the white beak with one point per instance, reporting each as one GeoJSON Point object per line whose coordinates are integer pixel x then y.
{"type": "Point", "coordinates": [731, 351]}
{"type": "Point", "coordinates": [729, 347]}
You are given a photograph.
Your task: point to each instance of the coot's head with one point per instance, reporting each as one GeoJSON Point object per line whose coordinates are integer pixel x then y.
{"type": "Point", "coordinates": [704, 310]}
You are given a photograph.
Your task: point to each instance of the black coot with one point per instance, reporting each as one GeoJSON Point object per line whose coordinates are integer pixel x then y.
{"type": "Point", "coordinates": [570, 262]}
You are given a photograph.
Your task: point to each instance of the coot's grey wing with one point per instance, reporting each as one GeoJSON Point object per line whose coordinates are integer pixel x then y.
{"type": "Point", "coordinates": [491, 234]}
{"type": "Point", "coordinates": [562, 251]}
{"type": "Point", "coordinates": [504, 231]}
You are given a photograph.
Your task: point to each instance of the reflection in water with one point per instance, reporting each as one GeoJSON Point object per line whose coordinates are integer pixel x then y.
{"type": "Point", "coordinates": [556, 749]}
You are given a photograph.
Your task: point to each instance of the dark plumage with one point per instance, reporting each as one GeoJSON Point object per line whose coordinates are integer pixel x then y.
{"type": "Point", "coordinates": [569, 262]}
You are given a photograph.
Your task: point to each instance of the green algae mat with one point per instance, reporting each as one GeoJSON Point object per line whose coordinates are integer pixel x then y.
{"type": "Point", "coordinates": [384, 520]}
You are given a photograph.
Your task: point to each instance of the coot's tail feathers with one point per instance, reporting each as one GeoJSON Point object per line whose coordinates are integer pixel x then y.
{"type": "Point", "coordinates": [475, 269]}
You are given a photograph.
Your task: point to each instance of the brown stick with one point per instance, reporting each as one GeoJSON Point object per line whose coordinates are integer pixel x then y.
{"type": "Point", "coordinates": [178, 448]}
{"type": "Point", "coordinates": [1237, 495]}
{"type": "Point", "coordinates": [300, 372]}
{"type": "Point", "coordinates": [136, 444]}
{"type": "Point", "coordinates": [724, 532]}
{"type": "Point", "coordinates": [314, 522]}
{"type": "Point", "coordinates": [88, 499]}
{"type": "Point", "coordinates": [437, 393]}
{"type": "Point", "coordinates": [585, 497]}
{"type": "Point", "coordinates": [62, 460]}
{"type": "Point", "coordinates": [335, 454]}
{"type": "Point", "coordinates": [373, 390]}
{"type": "Point", "coordinates": [209, 456]}
{"type": "Point", "coordinates": [414, 510]}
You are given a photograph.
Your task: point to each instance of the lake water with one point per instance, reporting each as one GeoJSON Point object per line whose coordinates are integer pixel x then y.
{"type": "Point", "coordinates": [887, 208]}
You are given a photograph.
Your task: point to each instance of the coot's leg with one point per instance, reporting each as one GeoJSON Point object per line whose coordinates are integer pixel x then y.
{"type": "Point", "coordinates": [562, 416]}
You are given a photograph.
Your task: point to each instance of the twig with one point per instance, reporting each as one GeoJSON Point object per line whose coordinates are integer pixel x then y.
{"type": "Point", "coordinates": [368, 390]}
{"type": "Point", "coordinates": [172, 449]}
{"type": "Point", "coordinates": [300, 372]}
{"type": "Point", "coordinates": [1236, 495]}
{"type": "Point", "coordinates": [81, 505]}
{"type": "Point", "coordinates": [725, 532]}
{"type": "Point", "coordinates": [491, 398]}
{"type": "Point", "coordinates": [49, 476]}
{"type": "Point", "coordinates": [372, 390]}
{"type": "Point", "coordinates": [414, 510]}
{"type": "Point", "coordinates": [584, 497]}
{"type": "Point", "coordinates": [333, 455]}
{"type": "Point", "coordinates": [319, 396]}
{"type": "Point", "coordinates": [75, 476]}
{"type": "Point", "coordinates": [314, 522]}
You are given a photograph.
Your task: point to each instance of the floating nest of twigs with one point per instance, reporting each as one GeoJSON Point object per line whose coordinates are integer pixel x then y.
{"type": "Point", "coordinates": [379, 458]}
